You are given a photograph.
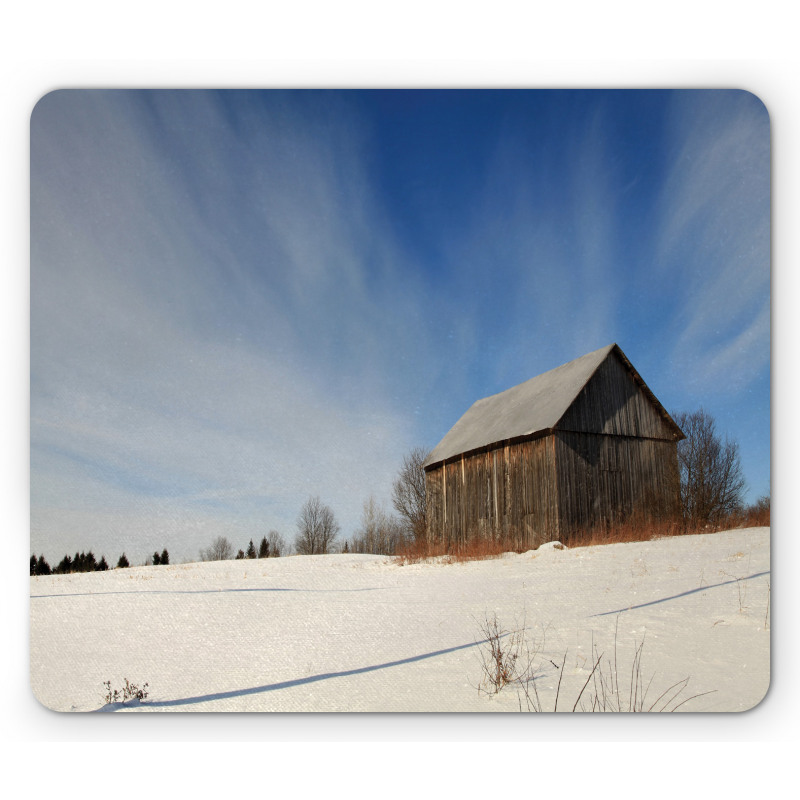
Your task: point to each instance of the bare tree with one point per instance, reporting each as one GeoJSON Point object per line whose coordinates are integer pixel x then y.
{"type": "Point", "coordinates": [276, 546]}
{"type": "Point", "coordinates": [220, 550]}
{"type": "Point", "coordinates": [316, 528]}
{"type": "Point", "coordinates": [711, 480]}
{"type": "Point", "coordinates": [408, 493]}
{"type": "Point", "coordinates": [379, 532]}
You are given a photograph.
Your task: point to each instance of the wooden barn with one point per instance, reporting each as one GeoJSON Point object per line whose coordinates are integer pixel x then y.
{"type": "Point", "coordinates": [576, 448]}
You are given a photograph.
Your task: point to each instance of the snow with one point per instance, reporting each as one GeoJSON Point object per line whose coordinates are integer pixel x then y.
{"type": "Point", "coordinates": [363, 633]}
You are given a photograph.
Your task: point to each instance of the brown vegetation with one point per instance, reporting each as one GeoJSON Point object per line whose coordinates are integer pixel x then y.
{"type": "Point", "coordinates": [754, 516]}
{"type": "Point", "coordinates": [414, 551]}
{"type": "Point", "coordinates": [637, 528]}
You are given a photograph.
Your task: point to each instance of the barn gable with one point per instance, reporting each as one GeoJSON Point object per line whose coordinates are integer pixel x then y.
{"type": "Point", "coordinates": [616, 401]}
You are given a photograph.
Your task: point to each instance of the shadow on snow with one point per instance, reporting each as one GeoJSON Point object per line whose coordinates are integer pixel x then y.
{"type": "Point", "coordinates": [682, 594]}
{"type": "Point", "coordinates": [201, 591]}
{"type": "Point", "coordinates": [274, 687]}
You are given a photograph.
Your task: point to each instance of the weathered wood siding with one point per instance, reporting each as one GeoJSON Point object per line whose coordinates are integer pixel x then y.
{"type": "Point", "coordinates": [612, 403]}
{"type": "Point", "coordinates": [604, 479]}
{"type": "Point", "coordinates": [506, 492]}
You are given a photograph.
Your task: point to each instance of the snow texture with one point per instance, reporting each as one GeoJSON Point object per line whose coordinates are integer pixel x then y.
{"type": "Point", "coordinates": [364, 633]}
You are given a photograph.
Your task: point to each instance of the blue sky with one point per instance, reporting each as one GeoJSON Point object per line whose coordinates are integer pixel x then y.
{"type": "Point", "coordinates": [240, 299]}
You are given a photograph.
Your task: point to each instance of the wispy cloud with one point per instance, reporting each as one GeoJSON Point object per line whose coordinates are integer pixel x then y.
{"type": "Point", "coordinates": [537, 263]}
{"type": "Point", "coordinates": [229, 333]}
{"type": "Point", "coordinates": [714, 238]}
{"type": "Point", "coordinates": [226, 315]}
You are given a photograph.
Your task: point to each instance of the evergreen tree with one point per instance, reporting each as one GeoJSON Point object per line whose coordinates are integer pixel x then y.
{"type": "Point", "coordinates": [33, 565]}
{"type": "Point", "coordinates": [123, 562]}
{"type": "Point", "coordinates": [156, 559]}
{"type": "Point", "coordinates": [251, 550]}
{"type": "Point", "coordinates": [65, 566]}
{"type": "Point", "coordinates": [263, 550]}
{"type": "Point", "coordinates": [89, 562]}
{"type": "Point", "coordinates": [164, 557]}
{"type": "Point", "coordinates": [102, 565]}
{"type": "Point", "coordinates": [240, 554]}
{"type": "Point", "coordinates": [42, 567]}
{"type": "Point", "coordinates": [346, 548]}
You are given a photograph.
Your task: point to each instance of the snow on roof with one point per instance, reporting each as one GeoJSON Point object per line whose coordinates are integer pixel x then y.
{"type": "Point", "coordinates": [530, 407]}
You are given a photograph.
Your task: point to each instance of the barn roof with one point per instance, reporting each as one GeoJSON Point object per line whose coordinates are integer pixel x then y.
{"type": "Point", "coordinates": [531, 407]}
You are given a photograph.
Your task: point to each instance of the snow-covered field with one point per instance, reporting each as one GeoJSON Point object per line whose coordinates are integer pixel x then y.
{"type": "Point", "coordinates": [362, 633]}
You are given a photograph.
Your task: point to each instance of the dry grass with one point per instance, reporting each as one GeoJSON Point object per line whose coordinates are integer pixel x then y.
{"type": "Point", "coordinates": [481, 549]}
{"type": "Point", "coordinates": [509, 659]}
{"type": "Point", "coordinates": [635, 529]}
{"type": "Point", "coordinates": [753, 517]}
{"type": "Point", "coordinates": [503, 662]}
{"type": "Point", "coordinates": [473, 550]}
{"type": "Point", "coordinates": [631, 530]}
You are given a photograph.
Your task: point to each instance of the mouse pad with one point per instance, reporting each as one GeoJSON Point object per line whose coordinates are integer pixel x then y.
{"type": "Point", "coordinates": [400, 400]}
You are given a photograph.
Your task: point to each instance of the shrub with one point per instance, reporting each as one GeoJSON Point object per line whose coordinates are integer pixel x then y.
{"type": "Point", "coordinates": [130, 691]}
{"type": "Point", "coordinates": [757, 514]}
{"type": "Point", "coordinates": [502, 662]}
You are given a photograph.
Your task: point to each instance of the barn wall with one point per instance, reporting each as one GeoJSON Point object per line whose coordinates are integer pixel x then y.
{"type": "Point", "coordinates": [612, 403]}
{"type": "Point", "coordinates": [507, 493]}
{"type": "Point", "coordinates": [604, 479]}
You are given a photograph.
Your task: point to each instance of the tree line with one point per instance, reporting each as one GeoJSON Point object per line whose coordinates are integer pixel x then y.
{"type": "Point", "coordinates": [272, 546]}
{"type": "Point", "coordinates": [380, 532]}
{"type": "Point", "coordinates": [709, 488]}
{"type": "Point", "coordinates": [84, 562]}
